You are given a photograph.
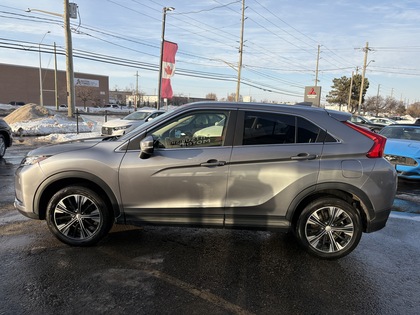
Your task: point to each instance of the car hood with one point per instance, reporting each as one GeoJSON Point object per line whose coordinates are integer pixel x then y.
{"type": "Point", "coordinates": [119, 123]}
{"type": "Point", "coordinates": [67, 146]}
{"type": "Point", "coordinates": [402, 147]}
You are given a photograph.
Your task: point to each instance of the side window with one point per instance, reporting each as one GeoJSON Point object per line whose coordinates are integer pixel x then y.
{"type": "Point", "coordinates": [268, 128]}
{"type": "Point", "coordinates": [196, 129]}
{"type": "Point", "coordinates": [307, 132]}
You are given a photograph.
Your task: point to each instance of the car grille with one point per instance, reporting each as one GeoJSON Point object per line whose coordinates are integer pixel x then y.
{"type": "Point", "coordinates": [401, 160]}
{"type": "Point", "coordinates": [106, 131]}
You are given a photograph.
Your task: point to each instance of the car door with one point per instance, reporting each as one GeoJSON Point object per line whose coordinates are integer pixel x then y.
{"type": "Point", "coordinates": [184, 180]}
{"type": "Point", "coordinates": [275, 158]}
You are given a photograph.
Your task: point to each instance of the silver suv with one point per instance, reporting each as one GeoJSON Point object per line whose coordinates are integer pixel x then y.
{"type": "Point", "coordinates": [221, 165]}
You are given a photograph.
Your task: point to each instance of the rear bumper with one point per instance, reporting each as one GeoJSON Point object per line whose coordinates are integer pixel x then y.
{"type": "Point", "coordinates": [378, 222]}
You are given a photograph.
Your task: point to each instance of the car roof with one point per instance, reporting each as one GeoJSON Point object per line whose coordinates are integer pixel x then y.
{"type": "Point", "coordinates": [403, 125]}
{"type": "Point", "coordinates": [292, 109]}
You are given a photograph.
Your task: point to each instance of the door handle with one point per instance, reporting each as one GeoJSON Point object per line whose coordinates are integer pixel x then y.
{"type": "Point", "coordinates": [304, 156]}
{"type": "Point", "coordinates": [211, 163]}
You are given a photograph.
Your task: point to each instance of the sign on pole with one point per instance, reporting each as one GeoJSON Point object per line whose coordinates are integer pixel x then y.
{"type": "Point", "coordinates": [313, 95]}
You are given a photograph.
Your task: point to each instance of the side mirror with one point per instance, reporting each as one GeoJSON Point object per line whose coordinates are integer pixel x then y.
{"type": "Point", "coordinates": [146, 147]}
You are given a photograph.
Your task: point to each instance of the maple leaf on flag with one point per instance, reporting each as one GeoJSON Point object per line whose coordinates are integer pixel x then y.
{"type": "Point", "coordinates": [168, 70]}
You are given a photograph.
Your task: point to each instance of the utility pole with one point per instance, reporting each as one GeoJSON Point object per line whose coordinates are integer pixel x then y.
{"type": "Point", "coordinates": [137, 90]}
{"type": "Point", "coordinates": [366, 49]}
{"type": "Point", "coordinates": [241, 46]}
{"type": "Point", "coordinates": [69, 62]}
{"type": "Point", "coordinates": [377, 100]}
{"type": "Point", "coordinates": [55, 77]}
{"type": "Point", "coordinates": [351, 87]}
{"type": "Point", "coordinates": [317, 64]}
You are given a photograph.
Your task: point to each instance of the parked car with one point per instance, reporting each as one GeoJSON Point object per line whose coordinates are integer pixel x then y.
{"type": "Point", "coordinates": [403, 149]}
{"type": "Point", "coordinates": [407, 119]}
{"type": "Point", "coordinates": [6, 138]}
{"type": "Point", "coordinates": [116, 106]}
{"type": "Point", "coordinates": [118, 127]}
{"type": "Point", "coordinates": [268, 167]}
{"type": "Point", "coordinates": [15, 103]}
{"type": "Point", "coordinates": [363, 121]}
{"type": "Point", "coordinates": [382, 121]}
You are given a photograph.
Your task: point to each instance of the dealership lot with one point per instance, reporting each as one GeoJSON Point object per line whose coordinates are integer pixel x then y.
{"type": "Point", "coordinates": [179, 270]}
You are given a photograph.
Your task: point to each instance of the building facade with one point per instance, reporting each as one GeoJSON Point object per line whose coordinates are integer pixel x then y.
{"type": "Point", "coordinates": [22, 84]}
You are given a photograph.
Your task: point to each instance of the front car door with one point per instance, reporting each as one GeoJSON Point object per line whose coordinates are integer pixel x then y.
{"type": "Point", "coordinates": [184, 180]}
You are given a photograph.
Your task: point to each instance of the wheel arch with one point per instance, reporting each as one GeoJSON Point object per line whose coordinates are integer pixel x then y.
{"type": "Point", "coordinates": [352, 195]}
{"type": "Point", "coordinates": [54, 183]}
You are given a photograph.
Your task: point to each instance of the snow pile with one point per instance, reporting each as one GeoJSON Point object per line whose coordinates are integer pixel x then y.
{"type": "Point", "coordinates": [35, 120]}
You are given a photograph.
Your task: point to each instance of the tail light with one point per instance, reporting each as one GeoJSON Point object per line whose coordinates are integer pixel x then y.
{"type": "Point", "coordinates": [377, 150]}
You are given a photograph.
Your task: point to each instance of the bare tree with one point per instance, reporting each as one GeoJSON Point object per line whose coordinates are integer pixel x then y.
{"type": "Point", "coordinates": [414, 110]}
{"type": "Point", "coordinates": [85, 94]}
{"type": "Point", "coordinates": [211, 96]}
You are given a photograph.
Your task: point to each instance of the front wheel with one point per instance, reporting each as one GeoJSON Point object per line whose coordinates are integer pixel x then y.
{"type": "Point", "coordinates": [329, 228]}
{"type": "Point", "coordinates": [77, 216]}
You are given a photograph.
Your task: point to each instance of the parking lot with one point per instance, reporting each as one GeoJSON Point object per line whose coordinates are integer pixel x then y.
{"type": "Point", "coordinates": [185, 270]}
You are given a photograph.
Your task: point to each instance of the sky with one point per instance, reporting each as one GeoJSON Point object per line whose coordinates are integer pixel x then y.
{"type": "Point", "coordinates": [121, 39]}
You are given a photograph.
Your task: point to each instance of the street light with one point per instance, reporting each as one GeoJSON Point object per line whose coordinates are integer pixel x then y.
{"type": "Point", "coordinates": [165, 9]}
{"type": "Point", "coordinates": [41, 99]}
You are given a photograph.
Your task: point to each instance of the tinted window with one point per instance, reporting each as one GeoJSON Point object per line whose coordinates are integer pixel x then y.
{"type": "Point", "coordinates": [267, 128]}
{"type": "Point", "coordinates": [197, 129]}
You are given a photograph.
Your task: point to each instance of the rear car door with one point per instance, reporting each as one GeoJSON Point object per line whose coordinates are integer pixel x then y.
{"type": "Point", "coordinates": [275, 158]}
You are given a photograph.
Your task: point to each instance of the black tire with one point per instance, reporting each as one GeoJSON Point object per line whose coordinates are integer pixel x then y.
{"type": "Point", "coordinates": [2, 146]}
{"type": "Point", "coordinates": [329, 228]}
{"type": "Point", "coordinates": [77, 216]}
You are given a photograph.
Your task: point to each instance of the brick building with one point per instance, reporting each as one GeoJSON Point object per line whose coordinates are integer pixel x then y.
{"type": "Point", "coordinates": [21, 84]}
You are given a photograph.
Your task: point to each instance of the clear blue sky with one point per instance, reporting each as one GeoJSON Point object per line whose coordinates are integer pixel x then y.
{"type": "Point", "coordinates": [280, 52]}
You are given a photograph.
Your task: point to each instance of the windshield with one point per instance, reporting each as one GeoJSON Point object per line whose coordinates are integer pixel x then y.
{"type": "Point", "coordinates": [402, 133]}
{"type": "Point", "coordinates": [130, 134]}
{"type": "Point", "coordinates": [137, 115]}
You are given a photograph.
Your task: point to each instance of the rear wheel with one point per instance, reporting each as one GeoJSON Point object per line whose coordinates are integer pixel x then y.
{"type": "Point", "coordinates": [329, 228]}
{"type": "Point", "coordinates": [77, 216]}
{"type": "Point", "coordinates": [2, 146]}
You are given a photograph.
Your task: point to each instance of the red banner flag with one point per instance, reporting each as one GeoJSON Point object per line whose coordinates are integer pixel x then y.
{"type": "Point", "coordinates": [168, 68]}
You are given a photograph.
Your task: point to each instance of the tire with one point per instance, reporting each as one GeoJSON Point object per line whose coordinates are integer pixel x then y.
{"type": "Point", "coordinates": [77, 216]}
{"type": "Point", "coordinates": [329, 228]}
{"type": "Point", "coordinates": [2, 146]}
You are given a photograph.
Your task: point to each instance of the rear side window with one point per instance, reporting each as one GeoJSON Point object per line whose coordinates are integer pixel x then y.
{"type": "Point", "coordinates": [269, 128]}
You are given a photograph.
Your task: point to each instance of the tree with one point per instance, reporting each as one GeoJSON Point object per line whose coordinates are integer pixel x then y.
{"type": "Point", "coordinates": [339, 93]}
{"type": "Point", "coordinates": [211, 96]}
{"type": "Point", "coordinates": [231, 97]}
{"type": "Point", "coordinates": [340, 89]}
{"type": "Point", "coordinates": [375, 104]}
{"type": "Point", "coordinates": [414, 110]}
{"type": "Point", "coordinates": [85, 94]}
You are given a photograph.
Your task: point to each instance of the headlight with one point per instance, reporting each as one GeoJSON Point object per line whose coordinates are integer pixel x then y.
{"type": "Point", "coordinates": [122, 127]}
{"type": "Point", "coordinates": [30, 160]}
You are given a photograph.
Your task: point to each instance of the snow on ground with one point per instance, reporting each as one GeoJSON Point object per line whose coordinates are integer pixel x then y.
{"type": "Point", "coordinates": [56, 126]}
{"type": "Point", "coordinates": [52, 126]}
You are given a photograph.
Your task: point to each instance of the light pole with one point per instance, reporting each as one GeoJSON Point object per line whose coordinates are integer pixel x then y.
{"type": "Point", "coordinates": [165, 9]}
{"type": "Point", "coordinates": [41, 99]}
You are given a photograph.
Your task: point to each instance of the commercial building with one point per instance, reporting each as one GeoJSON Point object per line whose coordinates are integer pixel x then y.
{"type": "Point", "coordinates": [22, 84]}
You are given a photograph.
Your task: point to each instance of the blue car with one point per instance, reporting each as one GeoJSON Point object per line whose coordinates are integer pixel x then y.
{"type": "Point", "coordinates": [403, 149]}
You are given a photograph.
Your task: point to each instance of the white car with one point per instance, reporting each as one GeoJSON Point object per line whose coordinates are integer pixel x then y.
{"type": "Point", "coordinates": [383, 121]}
{"type": "Point", "coordinates": [118, 127]}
